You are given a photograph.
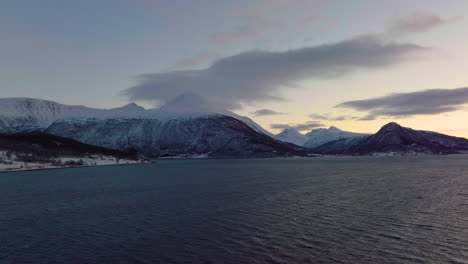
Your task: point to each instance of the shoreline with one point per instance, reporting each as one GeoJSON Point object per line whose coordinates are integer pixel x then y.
{"type": "Point", "coordinates": [70, 167]}
{"type": "Point", "coordinates": [192, 158]}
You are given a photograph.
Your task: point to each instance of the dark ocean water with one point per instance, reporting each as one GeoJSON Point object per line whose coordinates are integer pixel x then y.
{"type": "Point", "coordinates": [323, 210]}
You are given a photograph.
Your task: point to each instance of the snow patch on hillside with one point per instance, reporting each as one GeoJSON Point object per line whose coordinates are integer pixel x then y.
{"type": "Point", "coordinates": [12, 162]}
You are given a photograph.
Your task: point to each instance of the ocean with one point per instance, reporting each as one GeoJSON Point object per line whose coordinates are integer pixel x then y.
{"type": "Point", "coordinates": [304, 210]}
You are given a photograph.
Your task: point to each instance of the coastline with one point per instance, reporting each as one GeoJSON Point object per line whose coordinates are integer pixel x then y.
{"type": "Point", "coordinates": [69, 167]}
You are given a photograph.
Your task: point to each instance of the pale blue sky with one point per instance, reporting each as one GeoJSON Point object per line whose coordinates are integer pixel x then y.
{"type": "Point", "coordinates": [89, 51]}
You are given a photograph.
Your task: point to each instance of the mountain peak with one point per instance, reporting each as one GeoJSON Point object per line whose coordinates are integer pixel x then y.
{"type": "Point", "coordinates": [290, 129]}
{"type": "Point", "coordinates": [334, 129]}
{"type": "Point", "coordinates": [291, 135]}
{"type": "Point", "coordinates": [132, 106]}
{"type": "Point", "coordinates": [321, 136]}
{"type": "Point", "coordinates": [391, 126]}
{"type": "Point", "coordinates": [393, 138]}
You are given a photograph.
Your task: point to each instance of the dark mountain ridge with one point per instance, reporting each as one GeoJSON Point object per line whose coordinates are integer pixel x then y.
{"type": "Point", "coordinates": [44, 144]}
{"type": "Point", "coordinates": [395, 139]}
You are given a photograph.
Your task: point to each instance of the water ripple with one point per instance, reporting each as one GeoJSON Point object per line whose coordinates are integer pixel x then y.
{"type": "Point", "coordinates": [329, 210]}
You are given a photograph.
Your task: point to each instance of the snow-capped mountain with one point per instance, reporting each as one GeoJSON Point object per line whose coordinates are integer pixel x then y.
{"type": "Point", "coordinates": [206, 136]}
{"type": "Point", "coordinates": [291, 135]}
{"type": "Point", "coordinates": [27, 114]}
{"type": "Point", "coordinates": [321, 136]}
{"type": "Point", "coordinates": [191, 104]}
{"type": "Point", "coordinates": [131, 109]}
{"type": "Point", "coordinates": [188, 125]}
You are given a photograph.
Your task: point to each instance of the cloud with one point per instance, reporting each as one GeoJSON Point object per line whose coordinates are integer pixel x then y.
{"type": "Point", "coordinates": [330, 117]}
{"type": "Point", "coordinates": [427, 102]}
{"type": "Point", "coordinates": [300, 127]}
{"type": "Point", "coordinates": [194, 62]}
{"type": "Point", "coordinates": [260, 17]}
{"type": "Point", "coordinates": [417, 23]}
{"type": "Point", "coordinates": [254, 28]}
{"type": "Point", "coordinates": [266, 112]}
{"type": "Point", "coordinates": [319, 116]}
{"type": "Point", "coordinates": [259, 75]}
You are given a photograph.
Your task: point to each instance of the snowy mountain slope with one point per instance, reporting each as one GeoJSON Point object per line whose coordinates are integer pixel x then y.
{"type": "Point", "coordinates": [131, 109]}
{"type": "Point", "coordinates": [211, 136]}
{"type": "Point", "coordinates": [195, 105]}
{"type": "Point", "coordinates": [252, 124]}
{"type": "Point", "coordinates": [188, 125]}
{"type": "Point", "coordinates": [455, 143]}
{"type": "Point", "coordinates": [291, 135]}
{"type": "Point", "coordinates": [28, 114]}
{"type": "Point", "coordinates": [339, 146]}
{"type": "Point", "coordinates": [321, 136]}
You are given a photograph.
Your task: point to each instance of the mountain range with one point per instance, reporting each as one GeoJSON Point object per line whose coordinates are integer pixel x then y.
{"type": "Point", "coordinates": [393, 139]}
{"type": "Point", "coordinates": [316, 137]}
{"type": "Point", "coordinates": [189, 126]}
{"type": "Point", "coordinates": [186, 126]}
{"type": "Point", "coordinates": [321, 136]}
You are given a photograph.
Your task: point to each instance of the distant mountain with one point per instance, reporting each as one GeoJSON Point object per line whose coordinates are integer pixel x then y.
{"type": "Point", "coordinates": [321, 136]}
{"type": "Point", "coordinates": [395, 139]}
{"type": "Point", "coordinates": [339, 146]}
{"type": "Point", "coordinates": [209, 136]}
{"type": "Point", "coordinates": [130, 109]}
{"type": "Point", "coordinates": [291, 135]}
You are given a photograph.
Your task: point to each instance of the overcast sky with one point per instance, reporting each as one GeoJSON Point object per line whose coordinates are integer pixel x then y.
{"type": "Point", "coordinates": [353, 64]}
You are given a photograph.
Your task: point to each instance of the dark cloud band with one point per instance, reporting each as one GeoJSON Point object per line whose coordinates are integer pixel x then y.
{"type": "Point", "coordinates": [329, 117]}
{"type": "Point", "coordinates": [267, 112]}
{"type": "Point", "coordinates": [258, 75]}
{"type": "Point", "coordinates": [300, 127]}
{"type": "Point", "coordinates": [427, 102]}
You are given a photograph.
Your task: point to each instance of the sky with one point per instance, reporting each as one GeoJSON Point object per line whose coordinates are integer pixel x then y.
{"type": "Point", "coordinates": [356, 65]}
